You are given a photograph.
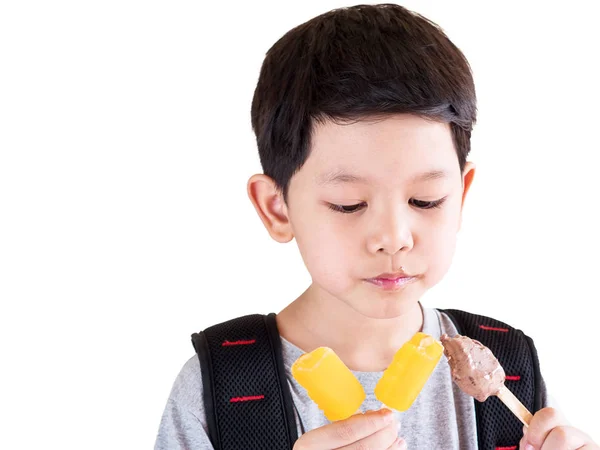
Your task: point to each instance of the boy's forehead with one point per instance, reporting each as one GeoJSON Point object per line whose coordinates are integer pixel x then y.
{"type": "Point", "coordinates": [389, 137]}
{"type": "Point", "coordinates": [405, 148]}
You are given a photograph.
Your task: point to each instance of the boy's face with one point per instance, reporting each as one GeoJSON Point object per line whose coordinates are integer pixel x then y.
{"type": "Point", "coordinates": [375, 211]}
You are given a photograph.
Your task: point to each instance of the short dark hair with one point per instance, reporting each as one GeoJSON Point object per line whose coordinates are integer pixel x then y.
{"type": "Point", "coordinates": [356, 63]}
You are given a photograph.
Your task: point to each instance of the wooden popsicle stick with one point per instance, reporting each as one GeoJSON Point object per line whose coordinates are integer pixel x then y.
{"type": "Point", "coordinates": [514, 404]}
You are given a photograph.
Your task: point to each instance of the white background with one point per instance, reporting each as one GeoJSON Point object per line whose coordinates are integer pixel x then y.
{"type": "Point", "coordinates": [126, 145]}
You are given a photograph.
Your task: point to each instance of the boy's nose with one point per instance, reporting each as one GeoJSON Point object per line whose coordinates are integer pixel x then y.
{"type": "Point", "coordinates": [390, 238]}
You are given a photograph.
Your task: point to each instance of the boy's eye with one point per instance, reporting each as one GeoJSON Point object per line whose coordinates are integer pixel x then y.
{"type": "Point", "coordinates": [347, 209]}
{"type": "Point", "coordinates": [422, 204]}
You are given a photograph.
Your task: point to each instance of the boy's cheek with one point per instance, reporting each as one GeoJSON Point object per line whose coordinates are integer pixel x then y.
{"type": "Point", "coordinates": [440, 254]}
{"type": "Point", "coordinates": [327, 261]}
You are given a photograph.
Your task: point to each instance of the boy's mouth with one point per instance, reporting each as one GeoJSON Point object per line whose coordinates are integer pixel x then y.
{"type": "Point", "coordinates": [391, 281]}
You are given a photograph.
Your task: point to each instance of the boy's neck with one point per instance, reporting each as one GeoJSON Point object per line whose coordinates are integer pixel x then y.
{"type": "Point", "coordinates": [363, 344]}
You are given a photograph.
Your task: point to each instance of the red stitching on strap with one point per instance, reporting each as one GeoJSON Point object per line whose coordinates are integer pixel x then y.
{"type": "Point", "coordinates": [484, 327]}
{"type": "Point", "coordinates": [513, 377]}
{"type": "Point", "coordinates": [514, 447]}
{"type": "Point", "coordinates": [229, 344]}
{"type": "Point", "coordinates": [246, 399]}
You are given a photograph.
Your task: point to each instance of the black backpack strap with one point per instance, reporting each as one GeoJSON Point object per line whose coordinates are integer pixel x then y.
{"type": "Point", "coordinates": [246, 394]}
{"type": "Point", "coordinates": [497, 427]}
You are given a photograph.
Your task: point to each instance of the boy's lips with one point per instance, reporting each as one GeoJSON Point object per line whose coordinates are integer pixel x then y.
{"type": "Point", "coordinates": [391, 281]}
{"type": "Point", "coordinates": [391, 276]}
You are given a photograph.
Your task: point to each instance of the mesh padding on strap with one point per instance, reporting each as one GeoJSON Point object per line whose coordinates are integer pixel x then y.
{"type": "Point", "coordinates": [248, 401]}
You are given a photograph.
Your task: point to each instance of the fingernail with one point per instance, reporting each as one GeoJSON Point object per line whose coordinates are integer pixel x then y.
{"type": "Point", "coordinates": [388, 416]}
{"type": "Point", "coordinates": [400, 443]}
{"type": "Point", "coordinates": [529, 447]}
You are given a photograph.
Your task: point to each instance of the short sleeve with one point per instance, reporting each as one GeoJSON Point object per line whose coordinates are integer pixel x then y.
{"type": "Point", "coordinates": [183, 424]}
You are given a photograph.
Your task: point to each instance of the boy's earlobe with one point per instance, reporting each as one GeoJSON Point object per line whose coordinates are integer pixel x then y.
{"type": "Point", "coordinates": [270, 206]}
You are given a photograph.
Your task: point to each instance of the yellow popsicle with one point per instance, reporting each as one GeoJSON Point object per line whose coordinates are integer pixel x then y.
{"type": "Point", "coordinates": [329, 383]}
{"type": "Point", "coordinates": [409, 371]}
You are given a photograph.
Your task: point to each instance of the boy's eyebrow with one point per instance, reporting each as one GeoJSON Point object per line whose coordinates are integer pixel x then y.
{"type": "Point", "coordinates": [431, 175]}
{"type": "Point", "coordinates": [340, 177]}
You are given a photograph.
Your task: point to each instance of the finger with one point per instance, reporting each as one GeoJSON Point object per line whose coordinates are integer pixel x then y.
{"type": "Point", "coordinates": [541, 424]}
{"type": "Point", "coordinates": [522, 443]}
{"type": "Point", "coordinates": [565, 437]}
{"type": "Point", "coordinates": [346, 431]}
{"type": "Point", "coordinates": [384, 438]}
{"type": "Point", "coordinates": [399, 444]}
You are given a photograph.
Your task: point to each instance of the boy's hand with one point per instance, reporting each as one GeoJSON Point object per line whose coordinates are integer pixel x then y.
{"type": "Point", "coordinates": [376, 430]}
{"type": "Point", "coordinates": [549, 430]}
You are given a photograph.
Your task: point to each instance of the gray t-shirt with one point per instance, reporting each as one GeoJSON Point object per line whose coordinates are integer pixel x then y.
{"type": "Point", "coordinates": [442, 416]}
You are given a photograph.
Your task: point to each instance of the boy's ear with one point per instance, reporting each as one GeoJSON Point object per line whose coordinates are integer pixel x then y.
{"type": "Point", "coordinates": [268, 201]}
{"type": "Point", "coordinates": [467, 176]}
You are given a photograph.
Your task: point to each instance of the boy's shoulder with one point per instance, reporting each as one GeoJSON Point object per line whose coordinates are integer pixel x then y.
{"type": "Point", "coordinates": [187, 390]}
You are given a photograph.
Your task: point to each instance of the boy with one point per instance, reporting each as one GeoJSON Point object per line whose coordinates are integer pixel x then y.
{"type": "Point", "coordinates": [363, 118]}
